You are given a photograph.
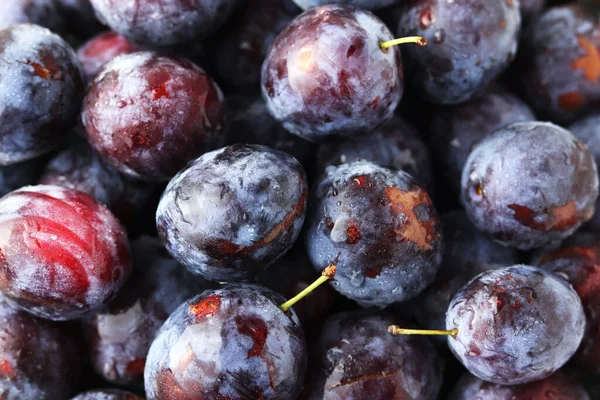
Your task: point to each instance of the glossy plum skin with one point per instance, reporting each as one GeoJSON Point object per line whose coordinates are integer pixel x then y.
{"type": "Point", "coordinates": [558, 386]}
{"type": "Point", "coordinates": [559, 67]}
{"type": "Point", "coordinates": [100, 49]}
{"type": "Point", "coordinates": [80, 168]}
{"type": "Point", "coordinates": [232, 343]}
{"type": "Point", "coordinates": [62, 254]}
{"type": "Point", "coordinates": [40, 90]}
{"type": "Point", "coordinates": [455, 130]}
{"type": "Point", "coordinates": [37, 357]}
{"type": "Point", "coordinates": [379, 228]}
{"type": "Point", "coordinates": [470, 44]}
{"type": "Point", "coordinates": [577, 261]}
{"type": "Point", "coordinates": [396, 144]}
{"type": "Point", "coordinates": [325, 74]}
{"type": "Point", "coordinates": [249, 121]}
{"type": "Point", "coordinates": [148, 115]}
{"type": "Point", "coordinates": [119, 337]}
{"type": "Point", "coordinates": [358, 359]}
{"type": "Point", "coordinates": [364, 4]}
{"type": "Point", "coordinates": [515, 325]}
{"type": "Point", "coordinates": [588, 131]}
{"type": "Point", "coordinates": [165, 22]}
{"type": "Point", "coordinates": [233, 211]}
{"type": "Point", "coordinates": [107, 394]}
{"type": "Point", "coordinates": [530, 184]}
{"type": "Point", "coordinates": [240, 47]}
{"type": "Point", "coordinates": [45, 13]}
{"type": "Point", "coordinates": [467, 253]}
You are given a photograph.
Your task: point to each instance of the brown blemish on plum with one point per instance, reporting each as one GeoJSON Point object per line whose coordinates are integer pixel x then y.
{"type": "Point", "coordinates": [590, 62]}
{"type": "Point", "coordinates": [570, 101]}
{"type": "Point", "coordinates": [256, 329]}
{"type": "Point", "coordinates": [7, 370]}
{"type": "Point", "coordinates": [425, 19]}
{"type": "Point", "coordinates": [206, 307]}
{"type": "Point", "coordinates": [421, 233]}
{"type": "Point", "coordinates": [136, 366]}
{"type": "Point", "coordinates": [353, 232]}
{"type": "Point", "coordinates": [559, 218]}
{"type": "Point", "coordinates": [503, 24]}
{"type": "Point", "coordinates": [375, 103]}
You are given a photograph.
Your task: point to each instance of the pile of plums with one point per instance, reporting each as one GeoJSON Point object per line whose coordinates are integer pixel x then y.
{"type": "Point", "coordinates": [299, 200]}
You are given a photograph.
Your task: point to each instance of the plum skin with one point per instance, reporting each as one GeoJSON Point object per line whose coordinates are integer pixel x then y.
{"type": "Point", "coordinates": [379, 228]}
{"type": "Point", "coordinates": [232, 343]}
{"type": "Point", "coordinates": [530, 184]}
{"type": "Point", "coordinates": [325, 74]}
{"type": "Point", "coordinates": [234, 211]}
{"type": "Point", "coordinates": [62, 254]}
{"type": "Point", "coordinates": [515, 325]}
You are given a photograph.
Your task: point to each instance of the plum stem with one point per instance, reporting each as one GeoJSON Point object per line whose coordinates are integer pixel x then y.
{"type": "Point", "coordinates": [419, 40]}
{"type": "Point", "coordinates": [396, 330]}
{"type": "Point", "coordinates": [327, 274]}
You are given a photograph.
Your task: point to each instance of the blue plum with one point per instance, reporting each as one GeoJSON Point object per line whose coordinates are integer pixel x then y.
{"type": "Point", "coordinates": [530, 184]}
{"type": "Point", "coordinates": [515, 325]}
{"type": "Point", "coordinates": [471, 42]}
{"type": "Point", "coordinates": [326, 74]}
{"type": "Point", "coordinates": [233, 211]}
{"type": "Point", "coordinates": [379, 228]}
{"type": "Point", "coordinates": [365, 4]}
{"type": "Point", "coordinates": [358, 359]}
{"type": "Point", "coordinates": [233, 343]}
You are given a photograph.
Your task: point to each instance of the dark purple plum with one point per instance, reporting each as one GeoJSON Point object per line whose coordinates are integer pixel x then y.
{"type": "Point", "coordinates": [515, 325]}
{"type": "Point", "coordinates": [79, 168]}
{"type": "Point", "coordinates": [558, 386]}
{"type": "Point", "coordinates": [531, 9]}
{"type": "Point", "coordinates": [530, 184]}
{"type": "Point", "coordinates": [40, 92]}
{"type": "Point", "coordinates": [396, 144]}
{"type": "Point", "coordinates": [45, 13]}
{"type": "Point", "coordinates": [62, 254]}
{"type": "Point", "coordinates": [471, 42]}
{"type": "Point", "coordinates": [290, 275]}
{"type": "Point", "coordinates": [234, 343]}
{"type": "Point", "coordinates": [119, 337]}
{"type": "Point", "coordinates": [100, 49]}
{"type": "Point", "coordinates": [380, 230]}
{"type": "Point", "coordinates": [559, 66]}
{"type": "Point", "coordinates": [164, 22]}
{"type": "Point", "coordinates": [326, 74]}
{"type": "Point", "coordinates": [455, 130]}
{"type": "Point", "coordinates": [249, 122]}
{"type": "Point", "coordinates": [588, 131]}
{"type": "Point", "coordinates": [578, 261]}
{"type": "Point", "coordinates": [148, 114]}
{"type": "Point", "coordinates": [359, 360]}
{"type": "Point", "coordinates": [467, 253]}
{"type": "Point", "coordinates": [107, 394]}
{"type": "Point", "coordinates": [233, 211]}
{"type": "Point", "coordinates": [365, 4]}
{"type": "Point", "coordinates": [38, 360]}
{"type": "Point", "coordinates": [240, 48]}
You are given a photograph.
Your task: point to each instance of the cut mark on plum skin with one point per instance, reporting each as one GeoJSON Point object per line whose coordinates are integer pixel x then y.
{"type": "Point", "coordinates": [559, 218]}
{"type": "Point", "coordinates": [421, 233]}
{"type": "Point", "coordinates": [206, 307]}
{"type": "Point", "coordinates": [590, 62]}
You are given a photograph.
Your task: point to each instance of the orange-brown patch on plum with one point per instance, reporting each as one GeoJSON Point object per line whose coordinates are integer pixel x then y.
{"type": "Point", "coordinates": [375, 103]}
{"type": "Point", "coordinates": [590, 62]}
{"type": "Point", "coordinates": [421, 233]}
{"type": "Point", "coordinates": [353, 232]}
{"type": "Point", "coordinates": [7, 370]}
{"type": "Point", "coordinates": [570, 101]}
{"type": "Point", "coordinates": [373, 271]}
{"type": "Point", "coordinates": [136, 366]}
{"type": "Point", "coordinates": [425, 19]}
{"type": "Point", "coordinates": [207, 307]}
{"type": "Point", "coordinates": [510, 3]}
{"type": "Point", "coordinates": [503, 24]}
{"type": "Point", "coordinates": [559, 218]}
{"type": "Point", "coordinates": [43, 72]}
